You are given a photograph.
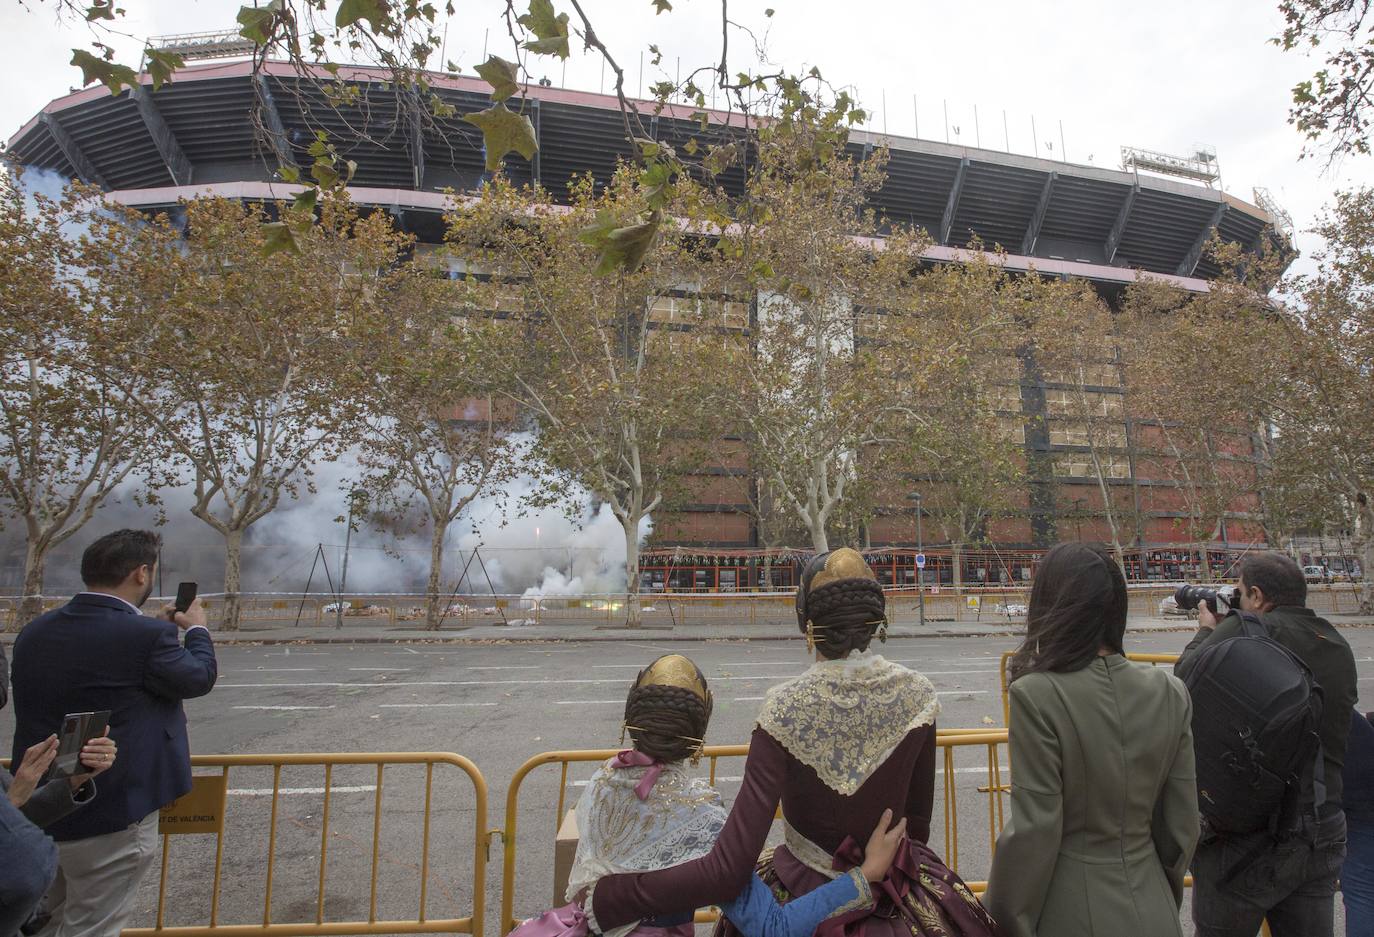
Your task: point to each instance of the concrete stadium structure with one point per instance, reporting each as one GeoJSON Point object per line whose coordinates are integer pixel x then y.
{"type": "Point", "coordinates": [220, 129]}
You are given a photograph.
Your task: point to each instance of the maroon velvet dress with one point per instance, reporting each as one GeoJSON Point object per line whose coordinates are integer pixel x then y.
{"type": "Point", "coordinates": [846, 754]}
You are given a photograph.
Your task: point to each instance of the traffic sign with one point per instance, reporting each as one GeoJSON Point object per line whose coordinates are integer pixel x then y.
{"type": "Point", "coordinates": [920, 561]}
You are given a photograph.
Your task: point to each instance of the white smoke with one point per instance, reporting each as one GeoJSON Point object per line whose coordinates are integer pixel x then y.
{"type": "Point", "coordinates": [545, 551]}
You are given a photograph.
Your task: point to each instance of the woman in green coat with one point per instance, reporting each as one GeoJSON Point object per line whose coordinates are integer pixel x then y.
{"type": "Point", "coordinates": [1104, 812]}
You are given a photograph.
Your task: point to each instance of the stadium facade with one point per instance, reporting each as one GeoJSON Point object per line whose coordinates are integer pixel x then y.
{"type": "Point", "coordinates": [219, 129]}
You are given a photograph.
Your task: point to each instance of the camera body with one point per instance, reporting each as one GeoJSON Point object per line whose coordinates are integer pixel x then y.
{"type": "Point", "coordinates": [1220, 600]}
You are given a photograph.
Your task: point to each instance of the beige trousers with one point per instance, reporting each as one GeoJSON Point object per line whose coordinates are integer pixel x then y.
{"type": "Point", "coordinates": [97, 881]}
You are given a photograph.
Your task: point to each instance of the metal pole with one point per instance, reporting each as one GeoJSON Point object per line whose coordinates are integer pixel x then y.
{"type": "Point", "coordinates": [916, 115]}
{"type": "Point", "coordinates": [1063, 150]}
{"type": "Point", "coordinates": [945, 105]}
{"type": "Point", "coordinates": [977, 128]}
{"type": "Point", "coordinates": [343, 575]}
{"type": "Point", "coordinates": [920, 573]}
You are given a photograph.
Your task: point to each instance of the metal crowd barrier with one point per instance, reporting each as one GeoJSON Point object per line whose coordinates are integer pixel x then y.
{"type": "Point", "coordinates": [422, 923]}
{"type": "Point", "coordinates": [947, 740]}
{"type": "Point", "coordinates": [1002, 675]}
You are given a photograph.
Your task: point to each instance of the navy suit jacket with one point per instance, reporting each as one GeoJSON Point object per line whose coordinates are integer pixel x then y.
{"type": "Point", "coordinates": [96, 653]}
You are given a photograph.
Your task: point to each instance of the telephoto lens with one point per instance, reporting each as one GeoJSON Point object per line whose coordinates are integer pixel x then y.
{"type": "Point", "coordinates": [1218, 599]}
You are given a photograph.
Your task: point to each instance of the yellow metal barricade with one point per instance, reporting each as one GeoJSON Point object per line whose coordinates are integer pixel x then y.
{"type": "Point", "coordinates": [1002, 675]}
{"type": "Point", "coordinates": [420, 924]}
{"type": "Point", "coordinates": [947, 740]}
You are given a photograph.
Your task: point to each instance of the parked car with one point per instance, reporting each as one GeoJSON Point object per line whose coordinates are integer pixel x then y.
{"type": "Point", "coordinates": [1316, 574]}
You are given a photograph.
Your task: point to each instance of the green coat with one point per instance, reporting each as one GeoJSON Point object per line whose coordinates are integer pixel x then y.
{"type": "Point", "coordinates": [1103, 804]}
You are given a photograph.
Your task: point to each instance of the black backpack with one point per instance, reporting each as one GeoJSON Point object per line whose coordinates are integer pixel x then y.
{"type": "Point", "coordinates": [1256, 711]}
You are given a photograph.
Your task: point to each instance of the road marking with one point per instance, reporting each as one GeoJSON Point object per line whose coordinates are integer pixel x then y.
{"type": "Point", "coordinates": [428, 705]}
{"type": "Point", "coordinates": [589, 702]}
{"type": "Point", "coordinates": [398, 683]}
{"type": "Point", "coordinates": [654, 647]}
{"type": "Point", "coordinates": [381, 669]}
{"type": "Point", "coordinates": [282, 707]}
{"type": "Point", "coordinates": [755, 699]}
{"type": "Point", "coordinates": [332, 683]}
{"type": "Point", "coordinates": [267, 791]}
{"type": "Point", "coordinates": [509, 667]}
{"type": "Point", "coordinates": [281, 670]}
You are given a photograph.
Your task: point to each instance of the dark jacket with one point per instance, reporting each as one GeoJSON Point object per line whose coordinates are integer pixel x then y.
{"type": "Point", "coordinates": [1326, 654]}
{"type": "Point", "coordinates": [1359, 770]}
{"type": "Point", "coordinates": [96, 653]}
{"type": "Point", "coordinates": [28, 863]}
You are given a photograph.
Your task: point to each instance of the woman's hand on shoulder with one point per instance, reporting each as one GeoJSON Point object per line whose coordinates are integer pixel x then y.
{"type": "Point", "coordinates": [882, 847]}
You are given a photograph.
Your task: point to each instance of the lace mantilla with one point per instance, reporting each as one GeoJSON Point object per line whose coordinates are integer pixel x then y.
{"type": "Point", "coordinates": [617, 832]}
{"type": "Point", "coordinates": [843, 718]}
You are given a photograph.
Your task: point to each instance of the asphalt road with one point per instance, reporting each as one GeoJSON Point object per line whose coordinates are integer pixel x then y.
{"type": "Point", "coordinates": [498, 705]}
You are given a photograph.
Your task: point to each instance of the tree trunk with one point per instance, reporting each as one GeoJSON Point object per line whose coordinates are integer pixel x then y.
{"type": "Point", "coordinates": [956, 559]}
{"type": "Point", "coordinates": [633, 618]}
{"type": "Point", "coordinates": [820, 541]}
{"type": "Point", "coordinates": [233, 599]}
{"type": "Point", "coordinates": [31, 605]}
{"type": "Point", "coordinates": [433, 599]}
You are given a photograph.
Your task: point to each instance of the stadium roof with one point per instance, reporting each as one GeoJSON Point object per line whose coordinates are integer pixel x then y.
{"type": "Point", "coordinates": [198, 134]}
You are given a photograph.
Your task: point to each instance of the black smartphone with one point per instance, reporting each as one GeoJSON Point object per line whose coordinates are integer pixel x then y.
{"type": "Point", "coordinates": [186, 594]}
{"type": "Point", "coordinates": [77, 730]}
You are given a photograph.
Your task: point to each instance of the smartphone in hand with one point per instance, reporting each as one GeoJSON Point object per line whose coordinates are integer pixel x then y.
{"type": "Point", "coordinates": [186, 594]}
{"type": "Point", "coordinates": [77, 730]}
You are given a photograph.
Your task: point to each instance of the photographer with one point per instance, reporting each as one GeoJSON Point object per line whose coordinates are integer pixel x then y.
{"type": "Point", "coordinates": [99, 653]}
{"type": "Point", "coordinates": [1288, 877]}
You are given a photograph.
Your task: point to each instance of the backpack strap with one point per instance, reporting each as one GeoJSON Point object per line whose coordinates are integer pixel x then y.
{"type": "Point", "coordinates": [1251, 625]}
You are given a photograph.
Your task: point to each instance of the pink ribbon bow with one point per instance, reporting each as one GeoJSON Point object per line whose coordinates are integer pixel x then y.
{"type": "Point", "coordinates": [633, 759]}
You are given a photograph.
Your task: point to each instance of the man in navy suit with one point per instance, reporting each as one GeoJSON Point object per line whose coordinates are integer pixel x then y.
{"type": "Point", "coordinates": [100, 652]}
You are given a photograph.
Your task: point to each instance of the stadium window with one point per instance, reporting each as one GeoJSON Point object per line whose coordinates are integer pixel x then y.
{"type": "Point", "coordinates": [1012, 428]}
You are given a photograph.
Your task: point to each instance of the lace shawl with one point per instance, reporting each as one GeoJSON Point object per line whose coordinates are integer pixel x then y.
{"type": "Point", "coordinates": [843, 718]}
{"type": "Point", "coordinates": [617, 832]}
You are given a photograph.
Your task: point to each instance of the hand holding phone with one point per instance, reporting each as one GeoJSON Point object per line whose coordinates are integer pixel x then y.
{"type": "Point", "coordinates": [77, 730]}
{"type": "Point", "coordinates": [186, 594]}
{"type": "Point", "coordinates": [185, 611]}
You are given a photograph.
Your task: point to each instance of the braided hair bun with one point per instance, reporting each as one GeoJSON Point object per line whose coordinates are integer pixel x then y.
{"type": "Point", "coordinates": [667, 720]}
{"type": "Point", "coordinates": [843, 601]}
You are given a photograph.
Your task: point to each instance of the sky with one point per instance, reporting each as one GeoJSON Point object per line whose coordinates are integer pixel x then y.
{"type": "Point", "coordinates": [1164, 75]}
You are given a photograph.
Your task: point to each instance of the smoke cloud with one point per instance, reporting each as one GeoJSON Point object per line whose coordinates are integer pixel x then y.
{"type": "Point", "coordinates": [494, 547]}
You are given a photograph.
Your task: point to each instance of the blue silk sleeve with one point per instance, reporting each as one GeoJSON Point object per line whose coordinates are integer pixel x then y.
{"type": "Point", "coordinates": [757, 913]}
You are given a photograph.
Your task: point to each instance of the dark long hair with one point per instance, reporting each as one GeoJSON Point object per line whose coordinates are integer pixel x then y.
{"type": "Point", "coordinates": [1077, 606]}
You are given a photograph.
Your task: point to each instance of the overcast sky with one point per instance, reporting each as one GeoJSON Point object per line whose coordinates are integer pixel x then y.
{"type": "Point", "coordinates": [1165, 75]}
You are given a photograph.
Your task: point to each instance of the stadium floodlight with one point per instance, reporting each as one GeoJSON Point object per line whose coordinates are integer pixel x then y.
{"type": "Point", "coordinates": [1282, 220]}
{"type": "Point", "coordinates": [220, 44]}
{"type": "Point", "coordinates": [1200, 167]}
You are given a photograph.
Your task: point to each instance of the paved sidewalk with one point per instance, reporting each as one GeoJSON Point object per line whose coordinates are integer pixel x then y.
{"type": "Point", "coordinates": [365, 632]}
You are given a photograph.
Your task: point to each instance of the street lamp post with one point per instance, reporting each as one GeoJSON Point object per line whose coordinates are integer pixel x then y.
{"type": "Point", "coordinates": [920, 573]}
{"type": "Point", "coordinates": [1078, 515]}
